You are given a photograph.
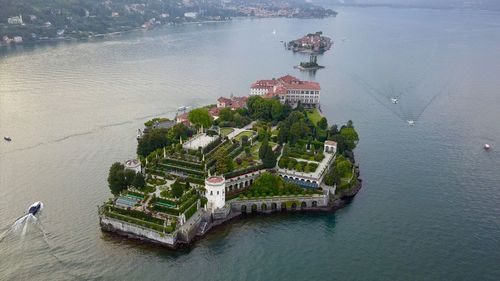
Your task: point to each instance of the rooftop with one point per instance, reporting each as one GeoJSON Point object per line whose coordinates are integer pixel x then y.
{"type": "Point", "coordinates": [215, 179]}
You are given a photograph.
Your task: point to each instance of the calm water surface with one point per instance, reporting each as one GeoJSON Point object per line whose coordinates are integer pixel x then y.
{"type": "Point", "coordinates": [429, 208]}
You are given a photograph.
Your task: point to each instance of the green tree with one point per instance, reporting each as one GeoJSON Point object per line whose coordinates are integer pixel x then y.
{"type": "Point", "coordinates": [342, 167]}
{"type": "Point", "coordinates": [269, 160]}
{"type": "Point", "coordinates": [129, 176]}
{"type": "Point", "coordinates": [223, 164]}
{"type": "Point", "coordinates": [226, 114]}
{"type": "Point", "coordinates": [283, 135]}
{"type": "Point", "coordinates": [350, 136]}
{"type": "Point", "coordinates": [200, 117]}
{"type": "Point", "coordinates": [177, 189]}
{"type": "Point", "coordinates": [151, 141]}
{"type": "Point", "coordinates": [277, 110]}
{"type": "Point", "coordinates": [298, 130]}
{"type": "Point", "coordinates": [263, 148]}
{"type": "Point", "coordinates": [323, 123]}
{"type": "Point", "coordinates": [267, 155]}
{"type": "Point", "coordinates": [139, 182]}
{"type": "Point", "coordinates": [116, 178]}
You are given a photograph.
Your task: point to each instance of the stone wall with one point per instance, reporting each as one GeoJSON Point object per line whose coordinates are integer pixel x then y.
{"type": "Point", "coordinates": [138, 232]}
{"type": "Point", "coordinates": [272, 204]}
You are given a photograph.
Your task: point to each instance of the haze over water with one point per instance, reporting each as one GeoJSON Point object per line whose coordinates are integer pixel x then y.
{"type": "Point", "coordinates": [429, 207]}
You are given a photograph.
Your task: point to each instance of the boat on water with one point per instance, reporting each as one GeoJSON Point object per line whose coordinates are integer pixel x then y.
{"type": "Point", "coordinates": [7, 138]}
{"type": "Point", "coordinates": [183, 108]}
{"type": "Point", "coordinates": [394, 100]}
{"type": "Point", "coordinates": [487, 146]}
{"type": "Point", "coordinates": [35, 208]}
{"type": "Point", "coordinates": [411, 122]}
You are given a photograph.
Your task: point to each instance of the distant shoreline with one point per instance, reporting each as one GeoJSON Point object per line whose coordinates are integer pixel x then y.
{"type": "Point", "coordinates": [120, 33]}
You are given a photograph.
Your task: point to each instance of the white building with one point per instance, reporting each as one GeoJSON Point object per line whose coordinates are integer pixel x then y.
{"type": "Point", "coordinates": [134, 165]}
{"type": "Point", "coordinates": [215, 192]}
{"type": "Point", "coordinates": [15, 20]}
{"type": "Point", "coordinates": [191, 15]}
{"type": "Point", "coordinates": [330, 147]}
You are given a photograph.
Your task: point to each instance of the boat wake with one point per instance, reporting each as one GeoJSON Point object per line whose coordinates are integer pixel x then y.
{"type": "Point", "coordinates": [403, 101]}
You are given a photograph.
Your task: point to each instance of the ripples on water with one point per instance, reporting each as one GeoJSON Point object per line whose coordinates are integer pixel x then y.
{"type": "Point", "coordinates": [429, 206]}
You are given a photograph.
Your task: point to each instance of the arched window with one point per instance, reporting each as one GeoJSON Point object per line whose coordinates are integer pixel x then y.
{"type": "Point", "coordinates": [217, 192]}
{"type": "Point", "coordinates": [211, 193]}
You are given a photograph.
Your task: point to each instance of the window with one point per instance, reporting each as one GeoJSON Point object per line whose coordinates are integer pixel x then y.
{"type": "Point", "coordinates": [211, 193]}
{"type": "Point", "coordinates": [217, 192]}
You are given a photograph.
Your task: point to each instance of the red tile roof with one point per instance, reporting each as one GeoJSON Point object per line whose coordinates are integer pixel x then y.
{"type": "Point", "coordinates": [289, 79]}
{"type": "Point", "coordinates": [278, 86]}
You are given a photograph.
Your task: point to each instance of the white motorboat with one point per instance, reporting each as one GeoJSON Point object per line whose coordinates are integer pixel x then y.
{"type": "Point", "coordinates": [35, 208]}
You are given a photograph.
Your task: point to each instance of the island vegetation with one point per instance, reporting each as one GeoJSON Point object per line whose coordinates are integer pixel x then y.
{"type": "Point", "coordinates": [266, 139]}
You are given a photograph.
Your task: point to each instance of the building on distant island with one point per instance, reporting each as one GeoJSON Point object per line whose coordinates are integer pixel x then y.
{"type": "Point", "coordinates": [289, 89]}
{"type": "Point", "coordinates": [15, 20]}
{"type": "Point", "coordinates": [311, 43]}
{"type": "Point", "coordinates": [191, 15]}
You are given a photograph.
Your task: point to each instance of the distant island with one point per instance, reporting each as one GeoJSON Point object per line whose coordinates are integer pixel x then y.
{"type": "Point", "coordinates": [269, 152]}
{"type": "Point", "coordinates": [30, 21]}
{"type": "Point", "coordinates": [314, 43]}
{"type": "Point", "coordinates": [312, 64]}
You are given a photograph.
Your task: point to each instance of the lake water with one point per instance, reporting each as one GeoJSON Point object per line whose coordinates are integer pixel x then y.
{"type": "Point", "coordinates": [430, 204]}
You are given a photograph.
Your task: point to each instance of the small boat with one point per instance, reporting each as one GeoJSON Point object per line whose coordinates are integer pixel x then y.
{"type": "Point", "coordinates": [411, 122]}
{"type": "Point", "coordinates": [182, 108]}
{"type": "Point", "coordinates": [394, 100]}
{"type": "Point", "coordinates": [35, 208]}
{"type": "Point", "coordinates": [7, 138]}
{"type": "Point", "coordinates": [487, 146]}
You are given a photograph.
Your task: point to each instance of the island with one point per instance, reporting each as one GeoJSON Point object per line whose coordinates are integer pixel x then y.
{"type": "Point", "coordinates": [310, 65]}
{"type": "Point", "coordinates": [271, 151]}
{"type": "Point", "coordinates": [29, 21]}
{"type": "Point", "coordinates": [314, 43]}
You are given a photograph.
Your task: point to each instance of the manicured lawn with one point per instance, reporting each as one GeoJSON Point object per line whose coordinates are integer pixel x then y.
{"type": "Point", "coordinates": [226, 131]}
{"type": "Point", "coordinates": [244, 133]}
{"type": "Point", "coordinates": [314, 116]}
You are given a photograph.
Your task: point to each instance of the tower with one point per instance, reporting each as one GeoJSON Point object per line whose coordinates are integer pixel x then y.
{"type": "Point", "coordinates": [215, 192]}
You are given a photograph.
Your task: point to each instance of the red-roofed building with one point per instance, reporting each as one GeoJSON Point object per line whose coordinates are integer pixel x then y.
{"type": "Point", "coordinates": [214, 112]}
{"type": "Point", "coordinates": [183, 118]}
{"type": "Point", "coordinates": [233, 102]}
{"type": "Point", "coordinates": [289, 89]}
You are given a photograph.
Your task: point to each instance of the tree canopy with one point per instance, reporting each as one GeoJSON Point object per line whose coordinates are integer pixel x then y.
{"type": "Point", "coordinates": [267, 109]}
{"type": "Point", "coordinates": [116, 178]}
{"type": "Point", "coordinates": [151, 141]}
{"type": "Point", "coordinates": [177, 189]}
{"type": "Point", "coordinates": [223, 164]}
{"type": "Point", "coordinates": [200, 117]}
